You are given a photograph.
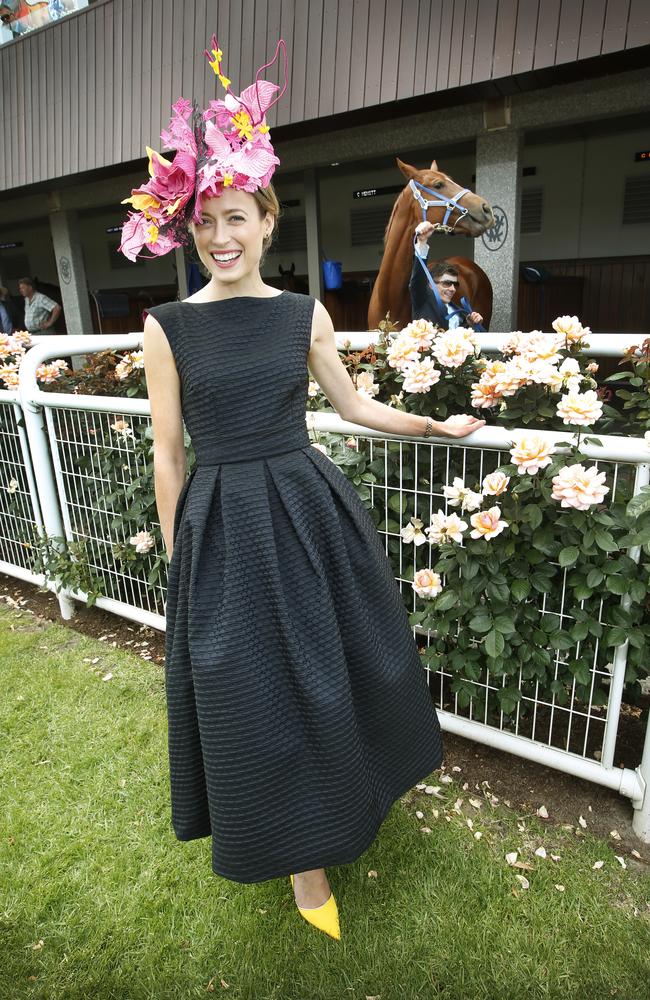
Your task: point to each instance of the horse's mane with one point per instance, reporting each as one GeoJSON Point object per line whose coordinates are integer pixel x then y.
{"type": "Point", "coordinates": [392, 216]}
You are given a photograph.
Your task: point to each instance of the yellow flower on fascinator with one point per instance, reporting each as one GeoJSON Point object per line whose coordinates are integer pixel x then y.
{"type": "Point", "coordinates": [161, 160]}
{"type": "Point", "coordinates": [242, 123]}
{"type": "Point", "coordinates": [215, 64]}
{"type": "Point", "coordinates": [142, 202]}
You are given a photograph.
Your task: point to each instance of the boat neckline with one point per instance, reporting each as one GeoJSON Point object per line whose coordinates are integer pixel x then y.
{"type": "Point", "coordinates": [233, 298]}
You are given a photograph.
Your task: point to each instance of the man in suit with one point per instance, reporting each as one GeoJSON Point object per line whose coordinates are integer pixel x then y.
{"type": "Point", "coordinates": [425, 304]}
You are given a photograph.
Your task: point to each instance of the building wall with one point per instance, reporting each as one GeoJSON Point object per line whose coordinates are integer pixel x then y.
{"type": "Point", "coordinates": [584, 183]}
{"type": "Point", "coordinates": [90, 90]}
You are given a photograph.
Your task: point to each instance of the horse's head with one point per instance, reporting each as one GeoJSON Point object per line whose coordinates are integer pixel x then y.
{"type": "Point", "coordinates": [475, 221]}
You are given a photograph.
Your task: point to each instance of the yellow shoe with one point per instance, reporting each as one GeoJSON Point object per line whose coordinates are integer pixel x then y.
{"type": "Point", "coordinates": [325, 917]}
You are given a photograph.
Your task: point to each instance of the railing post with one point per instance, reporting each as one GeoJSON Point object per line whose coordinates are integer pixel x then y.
{"type": "Point", "coordinates": [43, 474]}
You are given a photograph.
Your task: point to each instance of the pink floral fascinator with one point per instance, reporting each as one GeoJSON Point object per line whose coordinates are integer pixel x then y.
{"type": "Point", "coordinates": [227, 145]}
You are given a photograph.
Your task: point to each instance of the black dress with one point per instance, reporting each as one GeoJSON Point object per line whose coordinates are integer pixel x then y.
{"type": "Point", "coordinates": [297, 705]}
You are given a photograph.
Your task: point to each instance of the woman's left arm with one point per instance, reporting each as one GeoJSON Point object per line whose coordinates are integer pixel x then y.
{"type": "Point", "coordinates": [331, 374]}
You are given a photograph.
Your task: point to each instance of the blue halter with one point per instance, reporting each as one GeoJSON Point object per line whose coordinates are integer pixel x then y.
{"type": "Point", "coordinates": [451, 205]}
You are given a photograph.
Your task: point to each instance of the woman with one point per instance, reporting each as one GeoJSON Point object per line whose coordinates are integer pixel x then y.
{"type": "Point", "coordinates": [298, 708]}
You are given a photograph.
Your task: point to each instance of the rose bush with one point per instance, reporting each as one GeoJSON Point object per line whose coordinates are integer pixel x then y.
{"type": "Point", "coordinates": [534, 587]}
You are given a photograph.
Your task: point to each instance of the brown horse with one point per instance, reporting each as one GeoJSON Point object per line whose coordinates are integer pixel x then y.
{"type": "Point", "coordinates": [391, 291]}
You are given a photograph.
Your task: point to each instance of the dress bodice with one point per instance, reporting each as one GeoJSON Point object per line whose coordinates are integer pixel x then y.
{"type": "Point", "coordinates": [242, 365]}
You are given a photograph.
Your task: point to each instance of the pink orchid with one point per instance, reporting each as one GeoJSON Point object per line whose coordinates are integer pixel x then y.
{"type": "Point", "coordinates": [172, 183]}
{"type": "Point", "coordinates": [138, 231]}
{"type": "Point", "coordinates": [180, 134]}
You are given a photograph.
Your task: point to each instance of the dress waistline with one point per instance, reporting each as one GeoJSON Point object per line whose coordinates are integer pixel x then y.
{"type": "Point", "coordinates": [279, 442]}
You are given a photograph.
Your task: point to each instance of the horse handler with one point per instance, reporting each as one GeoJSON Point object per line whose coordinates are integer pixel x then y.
{"type": "Point", "coordinates": [432, 292]}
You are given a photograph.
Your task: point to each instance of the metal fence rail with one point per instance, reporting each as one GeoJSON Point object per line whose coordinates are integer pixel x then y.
{"type": "Point", "coordinates": [20, 511]}
{"type": "Point", "coordinates": [68, 436]}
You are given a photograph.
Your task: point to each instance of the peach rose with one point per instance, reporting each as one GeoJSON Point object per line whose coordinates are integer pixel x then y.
{"type": "Point", "coordinates": [419, 376]}
{"type": "Point", "coordinates": [487, 523]}
{"type": "Point", "coordinates": [49, 373]}
{"type": "Point", "coordinates": [511, 345]}
{"type": "Point", "coordinates": [366, 384]}
{"type": "Point", "coordinates": [578, 487]}
{"type": "Point", "coordinates": [426, 583]}
{"type": "Point", "coordinates": [531, 452]}
{"type": "Point", "coordinates": [570, 329]}
{"type": "Point", "coordinates": [401, 352]}
{"type": "Point", "coordinates": [9, 375]}
{"type": "Point", "coordinates": [538, 346]}
{"type": "Point", "coordinates": [461, 496]}
{"type": "Point", "coordinates": [445, 528]}
{"type": "Point", "coordinates": [495, 484]}
{"type": "Point", "coordinates": [484, 396]}
{"type": "Point", "coordinates": [412, 532]}
{"type": "Point", "coordinates": [421, 332]}
{"type": "Point", "coordinates": [143, 541]}
{"type": "Point", "coordinates": [452, 348]}
{"type": "Point", "coordinates": [580, 408]}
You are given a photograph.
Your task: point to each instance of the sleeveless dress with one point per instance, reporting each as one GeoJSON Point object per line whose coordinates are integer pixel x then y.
{"type": "Point", "coordinates": [298, 709]}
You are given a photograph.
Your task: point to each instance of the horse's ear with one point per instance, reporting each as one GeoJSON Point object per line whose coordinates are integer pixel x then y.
{"type": "Point", "coordinates": [293, 267]}
{"type": "Point", "coordinates": [434, 166]}
{"type": "Point", "coordinates": [406, 168]}
{"type": "Point", "coordinates": [280, 269]}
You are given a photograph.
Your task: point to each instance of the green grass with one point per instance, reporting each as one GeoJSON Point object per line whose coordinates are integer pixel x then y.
{"type": "Point", "coordinates": [89, 865]}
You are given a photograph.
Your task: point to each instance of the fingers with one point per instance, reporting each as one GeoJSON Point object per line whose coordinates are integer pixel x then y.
{"type": "Point", "coordinates": [468, 426]}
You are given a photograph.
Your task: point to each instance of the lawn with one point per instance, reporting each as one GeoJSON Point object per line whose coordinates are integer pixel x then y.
{"type": "Point", "coordinates": [99, 900]}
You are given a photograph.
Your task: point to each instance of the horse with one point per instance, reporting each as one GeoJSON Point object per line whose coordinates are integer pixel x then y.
{"type": "Point", "coordinates": [474, 217]}
{"type": "Point", "coordinates": [289, 282]}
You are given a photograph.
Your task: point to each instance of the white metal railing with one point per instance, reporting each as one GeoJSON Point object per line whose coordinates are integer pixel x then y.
{"type": "Point", "coordinates": [62, 428]}
{"type": "Point", "coordinates": [600, 345]}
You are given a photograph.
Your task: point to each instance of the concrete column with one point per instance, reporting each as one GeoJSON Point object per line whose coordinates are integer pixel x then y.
{"type": "Point", "coordinates": [70, 267]}
{"type": "Point", "coordinates": [498, 179]}
{"type": "Point", "coordinates": [312, 221]}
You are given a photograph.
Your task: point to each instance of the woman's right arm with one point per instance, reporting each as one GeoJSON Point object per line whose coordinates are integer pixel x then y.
{"type": "Point", "coordinates": [163, 386]}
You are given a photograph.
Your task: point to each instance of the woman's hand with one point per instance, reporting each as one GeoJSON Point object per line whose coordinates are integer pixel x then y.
{"type": "Point", "coordinates": [458, 426]}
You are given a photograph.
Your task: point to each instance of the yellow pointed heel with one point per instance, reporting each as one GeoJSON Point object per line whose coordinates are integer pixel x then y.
{"type": "Point", "coordinates": [325, 917]}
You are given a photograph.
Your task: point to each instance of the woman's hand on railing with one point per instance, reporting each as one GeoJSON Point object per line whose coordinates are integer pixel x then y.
{"type": "Point", "coordinates": [457, 426]}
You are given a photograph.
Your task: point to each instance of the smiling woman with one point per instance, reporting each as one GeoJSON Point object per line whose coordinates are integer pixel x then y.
{"type": "Point", "coordinates": [290, 667]}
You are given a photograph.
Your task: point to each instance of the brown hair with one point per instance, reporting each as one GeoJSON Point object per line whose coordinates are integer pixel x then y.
{"type": "Point", "coordinates": [26, 281]}
{"type": "Point", "coordinates": [439, 269]}
{"type": "Point", "coordinates": [267, 201]}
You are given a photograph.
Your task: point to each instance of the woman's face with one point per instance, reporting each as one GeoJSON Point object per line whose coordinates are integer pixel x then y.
{"type": "Point", "coordinates": [229, 235]}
